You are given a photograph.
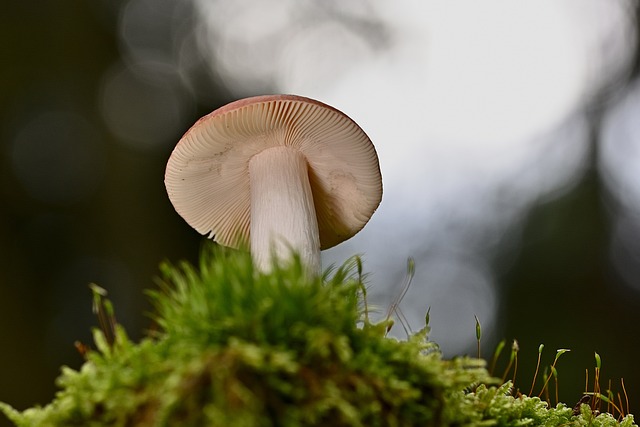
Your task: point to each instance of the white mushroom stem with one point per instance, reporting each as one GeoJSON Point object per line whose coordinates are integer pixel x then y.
{"type": "Point", "coordinates": [283, 217]}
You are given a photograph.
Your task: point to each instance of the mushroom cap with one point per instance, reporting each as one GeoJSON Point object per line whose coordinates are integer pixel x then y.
{"type": "Point", "coordinates": [207, 175]}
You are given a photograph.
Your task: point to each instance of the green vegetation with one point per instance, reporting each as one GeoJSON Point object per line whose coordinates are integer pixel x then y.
{"type": "Point", "coordinates": [236, 347]}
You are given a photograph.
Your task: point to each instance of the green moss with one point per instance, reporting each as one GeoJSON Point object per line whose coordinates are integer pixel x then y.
{"type": "Point", "coordinates": [240, 348]}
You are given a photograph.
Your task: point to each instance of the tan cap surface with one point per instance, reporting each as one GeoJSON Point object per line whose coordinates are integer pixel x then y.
{"type": "Point", "coordinates": [207, 176]}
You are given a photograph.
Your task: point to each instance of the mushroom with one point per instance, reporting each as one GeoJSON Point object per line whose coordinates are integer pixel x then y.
{"type": "Point", "coordinates": [276, 174]}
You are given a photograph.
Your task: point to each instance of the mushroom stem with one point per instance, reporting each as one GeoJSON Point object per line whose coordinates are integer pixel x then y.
{"type": "Point", "coordinates": [283, 217]}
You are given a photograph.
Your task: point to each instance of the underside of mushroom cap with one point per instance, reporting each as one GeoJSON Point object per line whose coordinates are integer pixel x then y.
{"type": "Point", "coordinates": [207, 176]}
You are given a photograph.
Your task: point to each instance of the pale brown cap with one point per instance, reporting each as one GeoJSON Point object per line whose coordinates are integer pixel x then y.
{"type": "Point", "coordinates": [207, 176]}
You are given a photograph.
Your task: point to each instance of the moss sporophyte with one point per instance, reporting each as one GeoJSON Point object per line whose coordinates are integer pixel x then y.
{"type": "Point", "coordinates": [239, 347]}
{"type": "Point", "coordinates": [266, 339]}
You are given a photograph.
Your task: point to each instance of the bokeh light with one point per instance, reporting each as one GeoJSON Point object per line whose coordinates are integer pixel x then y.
{"type": "Point", "coordinates": [410, 79]}
{"type": "Point", "coordinates": [620, 163]}
{"type": "Point", "coordinates": [58, 157]}
{"type": "Point", "coordinates": [143, 107]}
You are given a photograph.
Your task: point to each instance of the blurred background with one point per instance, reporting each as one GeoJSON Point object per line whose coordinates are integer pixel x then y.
{"type": "Point", "coordinates": [508, 136]}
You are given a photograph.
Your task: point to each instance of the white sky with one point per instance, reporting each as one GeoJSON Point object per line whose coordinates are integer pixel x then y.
{"type": "Point", "coordinates": [474, 109]}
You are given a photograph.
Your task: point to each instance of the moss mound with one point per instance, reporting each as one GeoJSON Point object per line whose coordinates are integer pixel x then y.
{"type": "Point", "coordinates": [240, 348]}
